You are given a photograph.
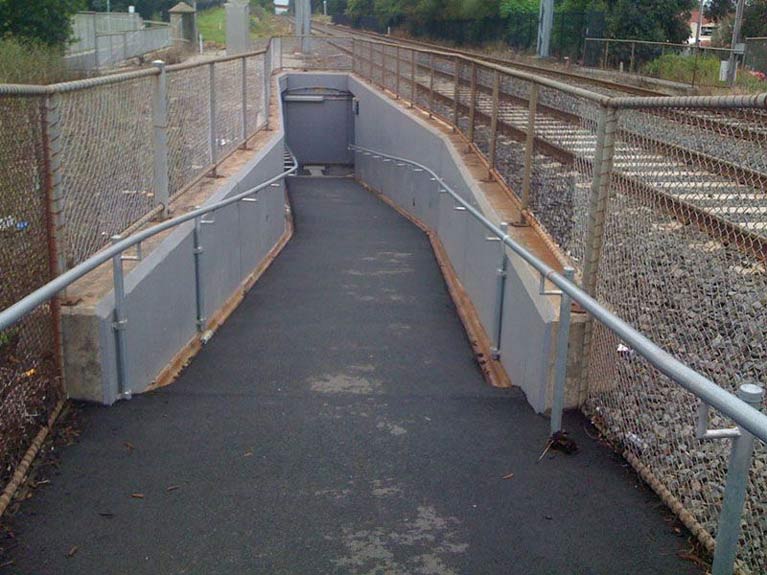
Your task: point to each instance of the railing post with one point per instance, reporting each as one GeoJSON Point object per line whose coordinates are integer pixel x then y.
{"type": "Point", "coordinates": [431, 84]}
{"type": "Point", "coordinates": [213, 130]}
{"type": "Point", "coordinates": [494, 122]}
{"type": "Point", "coordinates": [54, 211]}
{"type": "Point", "coordinates": [560, 366]}
{"type": "Point", "coordinates": [244, 87]}
{"type": "Point", "coordinates": [55, 192]}
{"type": "Point", "coordinates": [599, 195]}
{"type": "Point", "coordinates": [597, 213]}
{"type": "Point", "coordinates": [267, 95]}
{"type": "Point", "coordinates": [527, 176]}
{"type": "Point", "coordinates": [199, 289]}
{"type": "Point", "coordinates": [160, 121]}
{"type": "Point", "coordinates": [383, 67]}
{"type": "Point", "coordinates": [604, 59]}
{"type": "Point", "coordinates": [371, 63]}
{"type": "Point", "coordinates": [399, 73]}
{"type": "Point", "coordinates": [741, 451]}
{"type": "Point", "coordinates": [412, 78]}
{"type": "Point", "coordinates": [119, 324]}
{"type": "Point", "coordinates": [456, 91]}
{"type": "Point", "coordinates": [500, 294]}
{"type": "Point", "coordinates": [631, 62]}
{"type": "Point", "coordinates": [473, 101]}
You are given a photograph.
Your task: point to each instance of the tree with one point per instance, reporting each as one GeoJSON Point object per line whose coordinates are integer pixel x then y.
{"type": "Point", "coordinates": [755, 19]}
{"type": "Point", "coordinates": [719, 9]}
{"type": "Point", "coordinates": [45, 21]}
{"type": "Point", "coordinates": [654, 20]}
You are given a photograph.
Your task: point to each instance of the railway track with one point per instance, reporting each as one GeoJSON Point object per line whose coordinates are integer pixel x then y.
{"type": "Point", "coordinates": [723, 197]}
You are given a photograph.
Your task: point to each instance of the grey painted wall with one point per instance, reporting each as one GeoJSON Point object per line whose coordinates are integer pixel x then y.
{"type": "Point", "coordinates": [528, 342]}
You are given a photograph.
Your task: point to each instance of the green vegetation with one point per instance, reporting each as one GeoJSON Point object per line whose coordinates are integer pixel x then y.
{"type": "Point", "coordinates": [263, 24]}
{"type": "Point", "coordinates": [656, 20]}
{"type": "Point", "coordinates": [32, 62]}
{"type": "Point", "coordinates": [43, 21]}
{"type": "Point", "coordinates": [212, 25]}
{"type": "Point", "coordinates": [704, 71]}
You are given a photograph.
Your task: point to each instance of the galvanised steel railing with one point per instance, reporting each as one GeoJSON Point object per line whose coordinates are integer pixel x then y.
{"type": "Point", "coordinates": [743, 409]}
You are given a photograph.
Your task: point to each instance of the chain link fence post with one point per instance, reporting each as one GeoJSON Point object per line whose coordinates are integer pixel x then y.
{"type": "Point", "coordinates": [244, 87]}
{"type": "Point", "coordinates": [55, 203]}
{"type": "Point", "coordinates": [431, 85]}
{"type": "Point", "coordinates": [456, 91]}
{"type": "Point", "coordinates": [160, 144]}
{"type": "Point", "coordinates": [494, 124]}
{"type": "Point", "coordinates": [597, 213]}
{"type": "Point", "coordinates": [472, 102]}
{"type": "Point", "coordinates": [267, 93]}
{"type": "Point", "coordinates": [412, 78]}
{"type": "Point", "coordinates": [212, 129]}
{"type": "Point", "coordinates": [527, 175]}
{"type": "Point", "coordinates": [55, 191]}
{"type": "Point", "coordinates": [399, 73]}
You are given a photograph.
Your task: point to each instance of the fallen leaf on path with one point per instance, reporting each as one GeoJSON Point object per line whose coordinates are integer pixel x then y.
{"type": "Point", "coordinates": [72, 552]}
{"type": "Point", "coordinates": [509, 476]}
{"type": "Point", "coordinates": [137, 495]}
{"type": "Point", "coordinates": [172, 487]}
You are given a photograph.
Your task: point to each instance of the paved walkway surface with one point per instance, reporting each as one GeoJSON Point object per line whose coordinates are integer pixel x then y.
{"type": "Point", "coordinates": [337, 423]}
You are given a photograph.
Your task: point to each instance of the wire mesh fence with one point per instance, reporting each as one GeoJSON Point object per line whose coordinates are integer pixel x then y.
{"type": "Point", "coordinates": [29, 385]}
{"type": "Point", "coordinates": [683, 63]}
{"type": "Point", "coordinates": [106, 163]}
{"type": "Point", "coordinates": [662, 210]}
{"type": "Point", "coordinates": [78, 164]}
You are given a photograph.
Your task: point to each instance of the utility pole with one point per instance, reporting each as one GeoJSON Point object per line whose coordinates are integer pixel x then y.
{"type": "Point", "coordinates": [735, 47]}
{"type": "Point", "coordinates": [545, 23]}
{"type": "Point", "coordinates": [700, 23]}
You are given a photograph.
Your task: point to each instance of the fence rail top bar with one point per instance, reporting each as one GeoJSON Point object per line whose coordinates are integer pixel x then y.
{"type": "Point", "coordinates": [734, 101]}
{"type": "Point", "coordinates": [737, 101]}
{"type": "Point", "coordinates": [76, 85]}
{"type": "Point", "coordinates": [14, 313]}
{"type": "Point", "coordinates": [653, 43]}
{"type": "Point", "coordinates": [725, 402]}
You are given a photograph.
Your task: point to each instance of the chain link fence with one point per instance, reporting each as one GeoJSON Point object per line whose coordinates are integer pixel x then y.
{"type": "Point", "coordinates": [680, 63]}
{"type": "Point", "coordinates": [662, 210]}
{"type": "Point", "coordinates": [29, 384]}
{"type": "Point", "coordinates": [84, 161]}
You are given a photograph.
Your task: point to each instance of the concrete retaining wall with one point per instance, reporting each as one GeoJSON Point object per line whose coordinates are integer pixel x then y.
{"type": "Point", "coordinates": [530, 320]}
{"type": "Point", "coordinates": [160, 291]}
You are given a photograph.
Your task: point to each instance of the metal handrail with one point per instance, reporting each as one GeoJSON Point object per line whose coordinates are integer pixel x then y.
{"type": "Point", "coordinates": [742, 410]}
{"type": "Point", "coordinates": [14, 313]}
{"type": "Point", "coordinates": [739, 411]}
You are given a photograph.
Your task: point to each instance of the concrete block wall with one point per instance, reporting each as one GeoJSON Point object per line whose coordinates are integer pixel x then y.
{"type": "Point", "coordinates": [530, 320]}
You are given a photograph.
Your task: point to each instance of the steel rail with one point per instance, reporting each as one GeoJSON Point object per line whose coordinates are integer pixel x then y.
{"type": "Point", "coordinates": [725, 402]}
{"type": "Point", "coordinates": [15, 312]}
